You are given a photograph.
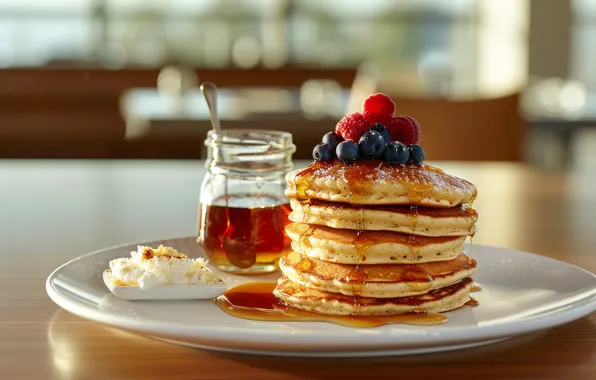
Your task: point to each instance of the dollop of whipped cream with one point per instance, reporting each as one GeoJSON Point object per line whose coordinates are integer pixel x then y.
{"type": "Point", "coordinates": [148, 267]}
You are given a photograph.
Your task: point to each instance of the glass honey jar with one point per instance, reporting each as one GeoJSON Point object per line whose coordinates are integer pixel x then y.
{"type": "Point", "coordinates": [243, 211]}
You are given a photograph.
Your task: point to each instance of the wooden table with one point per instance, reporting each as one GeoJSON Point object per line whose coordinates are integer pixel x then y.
{"type": "Point", "coordinates": [53, 211]}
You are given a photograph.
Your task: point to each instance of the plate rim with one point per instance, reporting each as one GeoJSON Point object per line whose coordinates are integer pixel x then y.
{"type": "Point", "coordinates": [559, 315]}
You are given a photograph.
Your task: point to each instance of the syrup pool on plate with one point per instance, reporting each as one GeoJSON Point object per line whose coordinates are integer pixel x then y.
{"type": "Point", "coordinates": [255, 301]}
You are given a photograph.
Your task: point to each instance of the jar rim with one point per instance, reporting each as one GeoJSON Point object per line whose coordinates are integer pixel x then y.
{"type": "Point", "coordinates": [250, 137]}
{"type": "Point", "coordinates": [250, 150]}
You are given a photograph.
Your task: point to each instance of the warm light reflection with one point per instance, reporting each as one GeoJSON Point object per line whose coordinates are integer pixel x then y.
{"type": "Point", "coordinates": [501, 299]}
{"type": "Point", "coordinates": [62, 349]}
{"type": "Point", "coordinates": [72, 347]}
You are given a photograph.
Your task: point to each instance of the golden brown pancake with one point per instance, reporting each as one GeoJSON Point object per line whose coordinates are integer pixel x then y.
{"type": "Point", "coordinates": [309, 299]}
{"type": "Point", "coordinates": [378, 280]}
{"type": "Point", "coordinates": [371, 247]}
{"type": "Point", "coordinates": [376, 182]}
{"type": "Point", "coordinates": [425, 221]}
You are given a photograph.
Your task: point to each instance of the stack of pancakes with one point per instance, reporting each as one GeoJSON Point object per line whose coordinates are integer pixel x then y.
{"type": "Point", "coordinates": [373, 239]}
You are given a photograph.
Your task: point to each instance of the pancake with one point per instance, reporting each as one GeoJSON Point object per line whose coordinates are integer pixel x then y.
{"type": "Point", "coordinates": [371, 247]}
{"type": "Point", "coordinates": [424, 221]}
{"type": "Point", "coordinates": [376, 182]}
{"type": "Point", "coordinates": [380, 280]}
{"type": "Point", "coordinates": [309, 299]}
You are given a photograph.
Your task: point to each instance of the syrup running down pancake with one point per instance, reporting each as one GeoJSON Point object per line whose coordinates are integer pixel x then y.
{"type": "Point", "coordinates": [309, 299]}
{"type": "Point", "coordinates": [455, 221]}
{"type": "Point", "coordinates": [378, 280]}
{"type": "Point", "coordinates": [376, 182]}
{"type": "Point", "coordinates": [371, 247]}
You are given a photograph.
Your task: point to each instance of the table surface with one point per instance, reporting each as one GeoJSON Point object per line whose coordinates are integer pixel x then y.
{"type": "Point", "coordinates": [53, 211]}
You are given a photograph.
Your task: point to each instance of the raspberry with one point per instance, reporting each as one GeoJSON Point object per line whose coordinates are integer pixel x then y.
{"type": "Point", "coordinates": [404, 129]}
{"type": "Point", "coordinates": [352, 126]}
{"type": "Point", "coordinates": [379, 104]}
{"type": "Point", "coordinates": [374, 118]}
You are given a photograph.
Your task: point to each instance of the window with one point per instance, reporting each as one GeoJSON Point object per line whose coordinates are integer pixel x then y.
{"type": "Point", "coordinates": [583, 48]}
{"type": "Point", "coordinates": [464, 40]}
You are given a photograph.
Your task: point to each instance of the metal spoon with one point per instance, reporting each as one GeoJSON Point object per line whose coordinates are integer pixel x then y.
{"type": "Point", "coordinates": [237, 250]}
{"type": "Point", "coordinates": [209, 91]}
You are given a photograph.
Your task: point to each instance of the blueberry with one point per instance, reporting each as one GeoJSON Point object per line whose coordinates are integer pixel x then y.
{"type": "Point", "coordinates": [322, 152]}
{"type": "Point", "coordinates": [332, 139]}
{"type": "Point", "coordinates": [416, 153]}
{"type": "Point", "coordinates": [371, 144]}
{"type": "Point", "coordinates": [347, 151]}
{"type": "Point", "coordinates": [396, 153]}
{"type": "Point", "coordinates": [383, 131]}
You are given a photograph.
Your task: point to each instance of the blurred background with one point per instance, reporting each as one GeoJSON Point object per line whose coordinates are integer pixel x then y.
{"type": "Point", "coordinates": [507, 80]}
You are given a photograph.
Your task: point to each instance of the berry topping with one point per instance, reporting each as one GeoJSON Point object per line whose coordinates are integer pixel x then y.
{"type": "Point", "coordinates": [347, 151]}
{"type": "Point", "coordinates": [378, 108]}
{"type": "Point", "coordinates": [396, 153]}
{"type": "Point", "coordinates": [352, 126]}
{"type": "Point", "coordinates": [332, 139]}
{"type": "Point", "coordinates": [416, 153]}
{"type": "Point", "coordinates": [373, 134]}
{"type": "Point", "coordinates": [323, 152]}
{"type": "Point", "coordinates": [371, 144]}
{"type": "Point", "coordinates": [404, 129]}
{"type": "Point", "coordinates": [382, 130]}
{"type": "Point", "coordinates": [374, 118]}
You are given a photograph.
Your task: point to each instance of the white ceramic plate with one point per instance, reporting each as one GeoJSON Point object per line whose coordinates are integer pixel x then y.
{"type": "Point", "coordinates": [521, 293]}
{"type": "Point", "coordinates": [163, 292]}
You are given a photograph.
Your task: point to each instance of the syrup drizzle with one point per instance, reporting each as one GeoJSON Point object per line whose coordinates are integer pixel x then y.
{"type": "Point", "coordinates": [255, 301]}
{"type": "Point", "coordinates": [468, 206]}
{"type": "Point", "coordinates": [472, 302]}
{"type": "Point", "coordinates": [419, 180]}
{"type": "Point", "coordinates": [302, 183]}
{"type": "Point", "coordinates": [361, 245]}
{"type": "Point", "coordinates": [419, 277]}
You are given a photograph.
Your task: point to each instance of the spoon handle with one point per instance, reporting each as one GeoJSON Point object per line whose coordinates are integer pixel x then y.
{"type": "Point", "coordinates": [209, 91]}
